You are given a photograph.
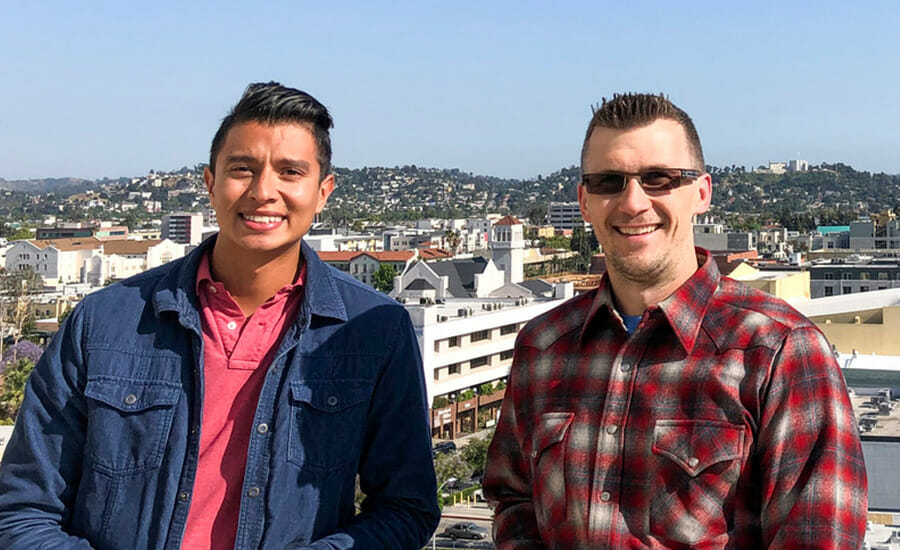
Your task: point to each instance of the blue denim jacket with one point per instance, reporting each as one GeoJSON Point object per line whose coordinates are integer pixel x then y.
{"type": "Point", "coordinates": [104, 452]}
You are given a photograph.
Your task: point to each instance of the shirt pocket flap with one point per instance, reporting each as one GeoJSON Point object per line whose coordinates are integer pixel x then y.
{"type": "Point", "coordinates": [695, 445]}
{"type": "Point", "coordinates": [331, 395]}
{"type": "Point", "coordinates": [550, 430]}
{"type": "Point", "coordinates": [130, 395]}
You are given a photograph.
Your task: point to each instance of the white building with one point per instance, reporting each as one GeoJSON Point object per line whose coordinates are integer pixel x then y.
{"type": "Point", "coordinates": [565, 215]}
{"type": "Point", "coordinates": [124, 258]}
{"type": "Point", "coordinates": [57, 261]}
{"type": "Point", "coordinates": [508, 246]}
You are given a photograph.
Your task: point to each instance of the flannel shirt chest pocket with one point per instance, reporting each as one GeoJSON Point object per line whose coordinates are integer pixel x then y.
{"type": "Point", "coordinates": [697, 464]}
{"type": "Point", "coordinates": [128, 422]}
{"type": "Point", "coordinates": [548, 459]}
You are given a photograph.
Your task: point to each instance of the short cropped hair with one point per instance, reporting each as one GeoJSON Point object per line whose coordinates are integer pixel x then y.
{"type": "Point", "coordinates": [271, 103]}
{"type": "Point", "coordinates": [630, 110]}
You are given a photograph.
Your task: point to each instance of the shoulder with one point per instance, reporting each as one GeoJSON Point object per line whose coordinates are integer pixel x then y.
{"type": "Point", "coordinates": [545, 329]}
{"type": "Point", "coordinates": [742, 316]}
{"type": "Point", "coordinates": [137, 288]}
{"type": "Point", "coordinates": [359, 298]}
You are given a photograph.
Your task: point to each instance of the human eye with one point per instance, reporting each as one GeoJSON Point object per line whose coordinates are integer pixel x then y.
{"type": "Point", "coordinates": [604, 183]}
{"type": "Point", "coordinates": [240, 170]}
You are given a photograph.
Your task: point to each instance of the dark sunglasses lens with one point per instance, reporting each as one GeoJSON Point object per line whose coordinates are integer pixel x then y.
{"type": "Point", "coordinates": [657, 179]}
{"type": "Point", "coordinates": [604, 184]}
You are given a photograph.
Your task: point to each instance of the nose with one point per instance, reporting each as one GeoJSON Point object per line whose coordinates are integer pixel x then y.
{"type": "Point", "coordinates": [633, 200]}
{"type": "Point", "coordinates": [264, 185]}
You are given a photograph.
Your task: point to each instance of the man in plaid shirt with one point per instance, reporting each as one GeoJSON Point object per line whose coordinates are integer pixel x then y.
{"type": "Point", "coordinates": [671, 407]}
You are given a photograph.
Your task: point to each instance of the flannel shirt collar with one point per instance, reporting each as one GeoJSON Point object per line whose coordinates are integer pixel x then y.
{"type": "Point", "coordinates": [684, 309]}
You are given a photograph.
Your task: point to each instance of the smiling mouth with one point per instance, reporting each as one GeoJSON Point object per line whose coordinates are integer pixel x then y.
{"type": "Point", "coordinates": [262, 219]}
{"type": "Point", "coordinates": [643, 230]}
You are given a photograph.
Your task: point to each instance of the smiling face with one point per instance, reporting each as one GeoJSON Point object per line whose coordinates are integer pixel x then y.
{"type": "Point", "coordinates": [266, 190]}
{"type": "Point", "coordinates": [648, 238]}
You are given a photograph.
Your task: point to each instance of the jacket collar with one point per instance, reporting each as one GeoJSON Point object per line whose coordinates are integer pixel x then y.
{"type": "Point", "coordinates": [176, 291]}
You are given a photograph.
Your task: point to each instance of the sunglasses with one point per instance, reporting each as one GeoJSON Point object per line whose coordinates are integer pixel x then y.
{"type": "Point", "coordinates": [655, 180]}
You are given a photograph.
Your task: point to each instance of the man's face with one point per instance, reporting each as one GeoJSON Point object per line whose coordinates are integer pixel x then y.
{"type": "Point", "coordinates": [648, 238]}
{"type": "Point", "coordinates": [266, 190]}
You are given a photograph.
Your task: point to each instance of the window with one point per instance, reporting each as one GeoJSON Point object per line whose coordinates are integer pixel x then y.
{"type": "Point", "coordinates": [437, 346]}
{"type": "Point", "coordinates": [508, 329]}
{"type": "Point", "coordinates": [437, 374]}
{"type": "Point", "coordinates": [845, 290]}
{"type": "Point", "coordinates": [479, 336]}
{"type": "Point", "coordinates": [453, 369]}
{"type": "Point", "coordinates": [864, 288]}
{"type": "Point", "coordinates": [863, 276]}
{"type": "Point", "coordinates": [453, 341]}
{"type": "Point", "coordinates": [829, 276]}
{"type": "Point", "coordinates": [829, 291]}
{"type": "Point", "coordinates": [846, 276]}
{"type": "Point", "coordinates": [506, 354]}
{"type": "Point", "coordinates": [480, 361]}
{"type": "Point", "coordinates": [882, 276]}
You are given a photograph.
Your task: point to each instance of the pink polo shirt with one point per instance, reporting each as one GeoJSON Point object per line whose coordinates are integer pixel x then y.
{"type": "Point", "coordinates": [237, 352]}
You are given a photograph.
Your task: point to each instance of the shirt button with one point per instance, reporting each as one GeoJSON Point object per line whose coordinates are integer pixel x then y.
{"type": "Point", "coordinates": [605, 496]}
{"type": "Point", "coordinates": [262, 428]}
{"type": "Point", "coordinates": [693, 462]}
{"type": "Point", "coordinates": [625, 368]}
{"type": "Point", "coordinates": [612, 429]}
{"type": "Point", "coordinates": [212, 289]}
{"type": "Point", "coordinates": [231, 325]}
{"type": "Point", "coordinates": [183, 496]}
{"type": "Point", "coordinates": [130, 399]}
{"type": "Point", "coordinates": [253, 492]}
{"type": "Point", "coordinates": [332, 401]}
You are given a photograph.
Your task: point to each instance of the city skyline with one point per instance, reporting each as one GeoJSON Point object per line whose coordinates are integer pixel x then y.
{"type": "Point", "coordinates": [501, 90]}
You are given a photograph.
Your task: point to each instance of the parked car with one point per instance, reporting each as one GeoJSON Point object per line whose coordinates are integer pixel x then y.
{"type": "Point", "coordinates": [443, 447]}
{"type": "Point", "coordinates": [464, 530]}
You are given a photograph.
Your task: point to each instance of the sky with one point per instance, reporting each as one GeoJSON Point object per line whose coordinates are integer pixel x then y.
{"type": "Point", "coordinates": [499, 88]}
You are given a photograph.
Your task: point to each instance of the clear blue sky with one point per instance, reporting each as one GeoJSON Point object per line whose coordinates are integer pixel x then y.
{"type": "Point", "coordinates": [501, 88]}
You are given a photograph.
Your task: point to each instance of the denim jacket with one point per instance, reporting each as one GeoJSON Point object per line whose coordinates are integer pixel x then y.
{"type": "Point", "coordinates": [104, 452]}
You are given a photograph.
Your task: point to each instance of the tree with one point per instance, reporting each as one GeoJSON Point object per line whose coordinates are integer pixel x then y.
{"type": "Point", "coordinates": [450, 465]}
{"type": "Point", "coordinates": [17, 291]}
{"type": "Point", "coordinates": [537, 214]}
{"type": "Point", "coordinates": [12, 388]}
{"type": "Point", "coordinates": [453, 240]}
{"type": "Point", "coordinates": [383, 278]}
{"type": "Point", "coordinates": [474, 452]}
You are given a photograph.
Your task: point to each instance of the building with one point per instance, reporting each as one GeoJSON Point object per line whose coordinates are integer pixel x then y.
{"type": "Point", "coordinates": [565, 216]}
{"type": "Point", "coordinates": [57, 261]}
{"type": "Point", "coordinates": [852, 275]}
{"type": "Point", "coordinates": [183, 227]}
{"type": "Point", "coordinates": [508, 246]}
{"type": "Point", "coordinates": [124, 258]}
{"type": "Point", "coordinates": [714, 236]}
{"type": "Point", "coordinates": [363, 265]}
{"type": "Point", "coordinates": [76, 230]}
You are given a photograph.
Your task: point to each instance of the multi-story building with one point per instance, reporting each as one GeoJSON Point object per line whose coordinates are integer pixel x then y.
{"type": "Point", "coordinates": [76, 230]}
{"type": "Point", "coordinates": [565, 216]}
{"type": "Point", "coordinates": [508, 246]}
{"type": "Point", "coordinates": [183, 227]}
{"type": "Point", "coordinates": [57, 261]}
{"type": "Point", "coordinates": [853, 274]}
{"type": "Point", "coordinates": [121, 259]}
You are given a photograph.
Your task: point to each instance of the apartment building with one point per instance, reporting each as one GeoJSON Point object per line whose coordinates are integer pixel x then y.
{"type": "Point", "coordinates": [183, 227]}
{"type": "Point", "coordinates": [565, 215]}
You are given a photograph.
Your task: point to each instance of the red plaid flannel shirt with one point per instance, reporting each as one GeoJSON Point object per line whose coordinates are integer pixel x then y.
{"type": "Point", "coordinates": [723, 421]}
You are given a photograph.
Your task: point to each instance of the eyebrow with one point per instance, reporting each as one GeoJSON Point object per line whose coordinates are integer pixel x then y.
{"type": "Point", "coordinates": [250, 159]}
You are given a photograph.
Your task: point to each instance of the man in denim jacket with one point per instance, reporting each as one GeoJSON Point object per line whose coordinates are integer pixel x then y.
{"type": "Point", "coordinates": [229, 399]}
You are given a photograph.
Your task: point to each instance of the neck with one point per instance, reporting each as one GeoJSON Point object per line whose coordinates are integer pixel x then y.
{"type": "Point", "coordinates": [252, 279]}
{"type": "Point", "coordinates": [634, 297]}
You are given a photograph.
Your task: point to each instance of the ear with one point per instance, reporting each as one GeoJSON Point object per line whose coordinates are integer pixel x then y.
{"type": "Point", "coordinates": [326, 186]}
{"type": "Point", "coordinates": [209, 179]}
{"type": "Point", "coordinates": [704, 193]}
{"type": "Point", "coordinates": [582, 204]}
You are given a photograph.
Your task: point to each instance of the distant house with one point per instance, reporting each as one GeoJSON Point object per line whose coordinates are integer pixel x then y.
{"type": "Point", "coordinates": [124, 258]}
{"type": "Point", "coordinates": [57, 261]}
{"type": "Point", "coordinates": [363, 265]}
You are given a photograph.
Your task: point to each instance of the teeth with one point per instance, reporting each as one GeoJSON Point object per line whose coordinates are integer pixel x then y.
{"type": "Point", "coordinates": [637, 230]}
{"type": "Point", "coordinates": [262, 219]}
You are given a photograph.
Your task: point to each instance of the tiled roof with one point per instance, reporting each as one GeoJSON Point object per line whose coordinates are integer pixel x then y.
{"type": "Point", "coordinates": [79, 243]}
{"type": "Point", "coordinates": [124, 246]}
{"type": "Point", "coordinates": [508, 220]}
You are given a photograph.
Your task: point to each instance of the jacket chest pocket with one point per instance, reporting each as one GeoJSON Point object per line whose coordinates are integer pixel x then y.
{"type": "Point", "coordinates": [328, 421]}
{"type": "Point", "coordinates": [697, 467]}
{"type": "Point", "coordinates": [548, 459]}
{"type": "Point", "coordinates": [128, 422]}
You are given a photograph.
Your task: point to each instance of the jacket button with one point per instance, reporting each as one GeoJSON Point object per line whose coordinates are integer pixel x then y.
{"type": "Point", "coordinates": [183, 496]}
{"type": "Point", "coordinates": [253, 492]}
{"type": "Point", "coordinates": [130, 399]}
{"type": "Point", "coordinates": [332, 401]}
{"type": "Point", "coordinates": [262, 428]}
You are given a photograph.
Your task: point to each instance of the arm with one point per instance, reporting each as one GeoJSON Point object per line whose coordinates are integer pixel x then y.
{"type": "Point", "coordinates": [396, 472]}
{"type": "Point", "coordinates": [813, 476]}
{"type": "Point", "coordinates": [42, 466]}
{"type": "Point", "coordinates": [507, 477]}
